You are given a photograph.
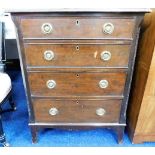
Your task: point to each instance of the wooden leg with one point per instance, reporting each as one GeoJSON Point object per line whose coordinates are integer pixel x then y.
{"type": "Point", "coordinates": [34, 134]}
{"type": "Point", "coordinates": [0, 111]}
{"type": "Point", "coordinates": [2, 135]}
{"type": "Point", "coordinates": [12, 104]}
{"type": "Point", "coordinates": [120, 134]}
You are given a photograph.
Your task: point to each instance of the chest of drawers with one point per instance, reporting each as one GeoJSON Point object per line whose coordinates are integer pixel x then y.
{"type": "Point", "coordinates": [77, 67]}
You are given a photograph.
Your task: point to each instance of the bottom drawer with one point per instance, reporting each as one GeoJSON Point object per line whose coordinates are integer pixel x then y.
{"type": "Point", "coordinates": [76, 111]}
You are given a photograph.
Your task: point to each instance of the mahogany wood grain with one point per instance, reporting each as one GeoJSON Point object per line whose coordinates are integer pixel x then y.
{"type": "Point", "coordinates": [77, 77]}
{"type": "Point", "coordinates": [79, 41]}
{"type": "Point", "coordinates": [88, 27]}
{"type": "Point", "coordinates": [76, 84]}
{"type": "Point", "coordinates": [75, 111]}
{"type": "Point", "coordinates": [76, 69]}
{"type": "Point", "coordinates": [141, 120]}
{"type": "Point", "coordinates": [68, 55]}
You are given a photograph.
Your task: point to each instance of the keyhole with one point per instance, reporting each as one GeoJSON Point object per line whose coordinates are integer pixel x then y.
{"type": "Point", "coordinates": [77, 22]}
{"type": "Point", "coordinates": [77, 102]}
{"type": "Point", "coordinates": [77, 48]}
{"type": "Point", "coordinates": [77, 75]}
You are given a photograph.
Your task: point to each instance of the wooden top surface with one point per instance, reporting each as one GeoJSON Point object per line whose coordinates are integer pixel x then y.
{"type": "Point", "coordinates": [72, 6]}
{"type": "Point", "coordinates": [106, 10]}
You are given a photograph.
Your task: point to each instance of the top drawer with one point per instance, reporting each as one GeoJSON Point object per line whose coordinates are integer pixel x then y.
{"type": "Point", "coordinates": [77, 28]}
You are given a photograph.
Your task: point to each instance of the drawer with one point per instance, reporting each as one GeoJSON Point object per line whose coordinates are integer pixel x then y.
{"type": "Point", "coordinates": [76, 84]}
{"type": "Point", "coordinates": [77, 27]}
{"type": "Point", "coordinates": [64, 55]}
{"type": "Point", "coordinates": [76, 111]}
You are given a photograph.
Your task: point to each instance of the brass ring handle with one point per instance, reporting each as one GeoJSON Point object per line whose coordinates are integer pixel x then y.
{"type": "Point", "coordinates": [108, 28]}
{"type": "Point", "coordinates": [105, 55]}
{"type": "Point", "coordinates": [53, 111]}
{"type": "Point", "coordinates": [100, 111]}
{"type": "Point", "coordinates": [51, 84]}
{"type": "Point", "coordinates": [46, 28]}
{"type": "Point", "coordinates": [48, 55]}
{"type": "Point", "coordinates": [103, 84]}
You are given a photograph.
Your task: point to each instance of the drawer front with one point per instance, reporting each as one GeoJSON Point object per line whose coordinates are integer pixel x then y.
{"type": "Point", "coordinates": [76, 111]}
{"type": "Point", "coordinates": [76, 84]}
{"type": "Point", "coordinates": [77, 27]}
{"type": "Point", "coordinates": [63, 55]}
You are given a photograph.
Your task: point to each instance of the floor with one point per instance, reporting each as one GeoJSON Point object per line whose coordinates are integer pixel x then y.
{"type": "Point", "coordinates": [18, 133]}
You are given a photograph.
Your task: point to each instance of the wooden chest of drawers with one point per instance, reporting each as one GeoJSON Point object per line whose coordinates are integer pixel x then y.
{"type": "Point", "coordinates": [77, 67]}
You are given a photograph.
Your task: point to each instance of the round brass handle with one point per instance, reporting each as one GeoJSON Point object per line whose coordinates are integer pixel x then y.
{"type": "Point", "coordinates": [108, 28]}
{"type": "Point", "coordinates": [100, 111]}
{"type": "Point", "coordinates": [46, 28]}
{"type": "Point", "coordinates": [103, 84]}
{"type": "Point", "coordinates": [51, 84]}
{"type": "Point", "coordinates": [48, 55]}
{"type": "Point", "coordinates": [53, 111]}
{"type": "Point", "coordinates": [105, 55]}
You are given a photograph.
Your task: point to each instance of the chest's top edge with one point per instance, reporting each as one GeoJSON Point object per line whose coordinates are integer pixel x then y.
{"type": "Point", "coordinates": [80, 10]}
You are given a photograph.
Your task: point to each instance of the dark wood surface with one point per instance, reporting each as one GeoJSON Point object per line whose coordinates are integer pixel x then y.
{"type": "Point", "coordinates": [66, 27]}
{"type": "Point", "coordinates": [76, 84]}
{"type": "Point", "coordinates": [77, 76]}
{"type": "Point", "coordinates": [141, 122]}
{"type": "Point", "coordinates": [68, 55]}
{"type": "Point", "coordinates": [76, 111]}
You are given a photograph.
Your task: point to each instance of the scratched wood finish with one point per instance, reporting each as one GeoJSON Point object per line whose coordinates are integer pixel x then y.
{"type": "Point", "coordinates": [75, 111]}
{"type": "Point", "coordinates": [88, 27]}
{"type": "Point", "coordinates": [76, 84]}
{"type": "Point", "coordinates": [141, 113]}
{"type": "Point", "coordinates": [77, 78]}
{"type": "Point", "coordinates": [77, 55]}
